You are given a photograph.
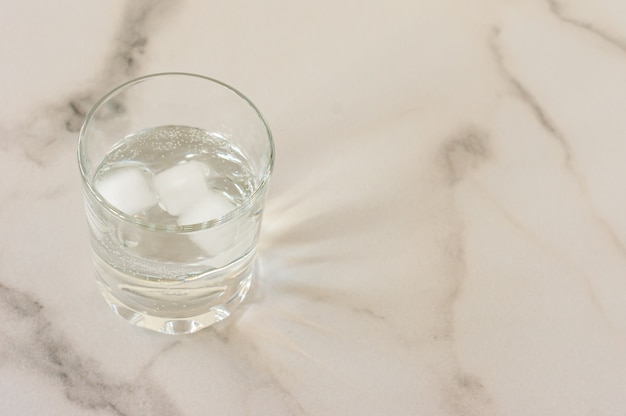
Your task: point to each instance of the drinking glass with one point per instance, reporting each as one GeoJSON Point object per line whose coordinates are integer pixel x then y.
{"type": "Point", "coordinates": [175, 168]}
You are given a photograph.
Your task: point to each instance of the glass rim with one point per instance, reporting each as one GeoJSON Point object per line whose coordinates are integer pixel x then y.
{"type": "Point", "coordinates": [173, 228]}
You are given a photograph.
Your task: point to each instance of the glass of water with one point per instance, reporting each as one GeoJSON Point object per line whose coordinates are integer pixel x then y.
{"type": "Point", "coordinates": [175, 168]}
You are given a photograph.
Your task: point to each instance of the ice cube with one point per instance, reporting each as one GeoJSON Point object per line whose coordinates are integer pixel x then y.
{"type": "Point", "coordinates": [219, 238]}
{"type": "Point", "coordinates": [239, 247]}
{"type": "Point", "coordinates": [181, 186]}
{"type": "Point", "coordinates": [212, 205]}
{"type": "Point", "coordinates": [127, 189]}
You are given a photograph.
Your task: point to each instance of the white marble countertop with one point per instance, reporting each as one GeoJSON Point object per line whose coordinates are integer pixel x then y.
{"type": "Point", "coordinates": [446, 228]}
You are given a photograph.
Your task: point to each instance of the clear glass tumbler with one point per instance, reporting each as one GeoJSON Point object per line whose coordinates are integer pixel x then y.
{"type": "Point", "coordinates": [175, 168]}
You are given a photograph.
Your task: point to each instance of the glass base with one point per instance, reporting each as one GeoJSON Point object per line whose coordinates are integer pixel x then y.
{"type": "Point", "coordinates": [176, 311]}
{"type": "Point", "coordinates": [179, 325]}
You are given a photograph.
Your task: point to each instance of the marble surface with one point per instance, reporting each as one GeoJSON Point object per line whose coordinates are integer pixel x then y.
{"type": "Point", "coordinates": [445, 232]}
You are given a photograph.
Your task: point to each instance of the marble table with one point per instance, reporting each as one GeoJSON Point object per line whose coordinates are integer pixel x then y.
{"type": "Point", "coordinates": [445, 232]}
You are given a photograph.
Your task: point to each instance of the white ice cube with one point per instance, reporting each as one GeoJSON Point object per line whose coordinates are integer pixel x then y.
{"type": "Point", "coordinates": [181, 186]}
{"type": "Point", "coordinates": [240, 247]}
{"type": "Point", "coordinates": [127, 189]}
{"type": "Point", "coordinates": [217, 239]}
{"type": "Point", "coordinates": [212, 205]}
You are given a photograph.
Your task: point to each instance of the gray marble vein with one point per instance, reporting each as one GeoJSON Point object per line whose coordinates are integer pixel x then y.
{"type": "Point", "coordinates": [44, 137]}
{"type": "Point", "coordinates": [551, 127]}
{"type": "Point", "coordinates": [526, 96]}
{"type": "Point", "coordinates": [59, 122]}
{"type": "Point", "coordinates": [557, 9]}
{"type": "Point", "coordinates": [466, 395]}
{"type": "Point", "coordinates": [46, 351]}
{"type": "Point", "coordinates": [133, 40]}
{"type": "Point", "coordinates": [465, 152]}
{"type": "Point", "coordinates": [126, 59]}
{"type": "Point", "coordinates": [463, 393]}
